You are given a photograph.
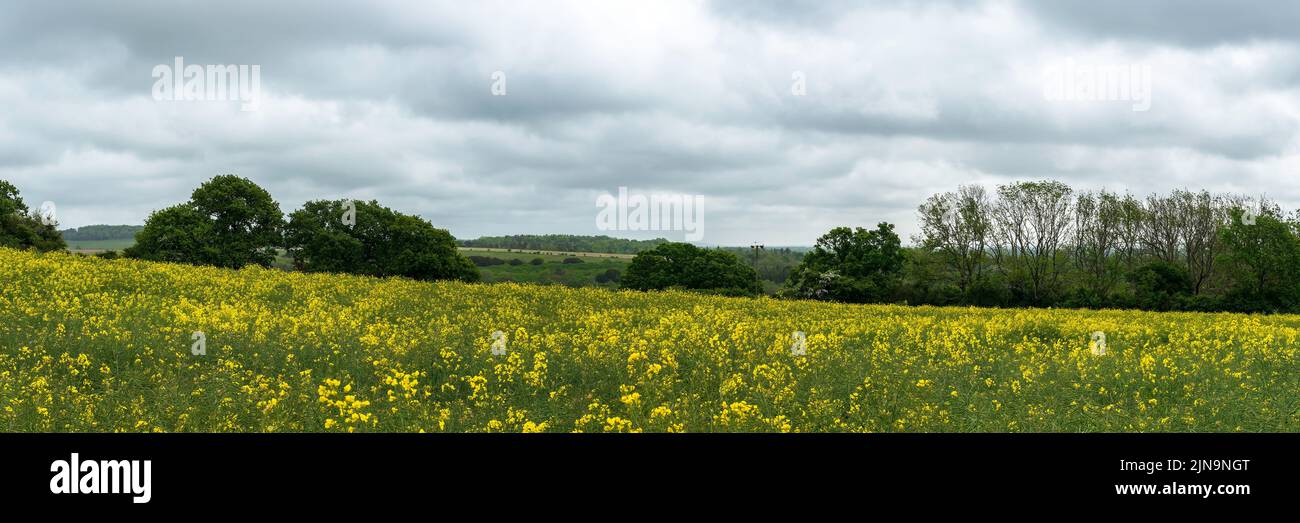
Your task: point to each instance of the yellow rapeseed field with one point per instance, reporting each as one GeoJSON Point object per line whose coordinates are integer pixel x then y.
{"type": "Point", "coordinates": [94, 345]}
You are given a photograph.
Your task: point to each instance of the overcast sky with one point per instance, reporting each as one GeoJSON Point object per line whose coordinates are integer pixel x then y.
{"type": "Point", "coordinates": [394, 101]}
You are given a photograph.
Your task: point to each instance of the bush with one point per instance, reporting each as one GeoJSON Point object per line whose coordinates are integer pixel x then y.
{"type": "Point", "coordinates": [851, 265]}
{"type": "Point", "coordinates": [516, 262]}
{"type": "Point", "coordinates": [571, 260]}
{"type": "Point", "coordinates": [486, 261]}
{"type": "Point", "coordinates": [609, 276]}
{"type": "Point", "coordinates": [177, 234]}
{"type": "Point", "coordinates": [988, 292]}
{"type": "Point", "coordinates": [22, 228]}
{"type": "Point", "coordinates": [378, 242]}
{"type": "Point", "coordinates": [1160, 285]}
{"type": "Point", "coordinates": [228, 222]}
{"type": "Point", "coordinates": [537, 261]}
{"type": "Point", "coordinates": [682, 265]}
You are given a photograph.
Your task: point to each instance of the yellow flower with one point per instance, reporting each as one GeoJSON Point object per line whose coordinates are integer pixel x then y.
{"type": "Point", "coordinates": [286, 349]}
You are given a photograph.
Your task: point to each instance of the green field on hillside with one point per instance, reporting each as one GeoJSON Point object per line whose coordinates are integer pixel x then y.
{"type": "Point", "coordinates": [99, 245]}
{"type": "Point", "coordinates": [553, 270]}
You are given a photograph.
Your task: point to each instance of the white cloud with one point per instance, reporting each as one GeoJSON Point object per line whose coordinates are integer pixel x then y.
{"type": "Point", "coordinates": [391, 101]}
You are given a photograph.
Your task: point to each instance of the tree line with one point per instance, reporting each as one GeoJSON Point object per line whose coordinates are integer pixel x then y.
{"type": "Point", "coordinates": [1038, 243]}
{"type": "Point", "coordinates": [1044, 244]}
{"type": "Point", "coordinates": [232, 222]}
{"type": "Point", "coordinates": [101, 232]}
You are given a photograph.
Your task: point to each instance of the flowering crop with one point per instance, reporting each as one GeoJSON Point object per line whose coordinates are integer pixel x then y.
{"type": "Point", "coordinates": [97, 345]}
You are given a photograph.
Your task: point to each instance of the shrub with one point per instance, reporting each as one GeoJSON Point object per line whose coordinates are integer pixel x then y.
{"type": "Point", "coordinates": [22, 228]}
{"type": "Point", "coordinates": [609, 276]}
{"type": "Point", "coordinates": [228, 222]}
{"type": "Point", "coordinates": [486, 261]}
{"type": "Point", "coordinates": [686, 266]}
{"type": "Point", "coordinates": [377, 242]}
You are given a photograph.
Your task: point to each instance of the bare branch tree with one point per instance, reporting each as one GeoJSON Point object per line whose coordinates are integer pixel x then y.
{"type": "Point", "coordinates": [1097, 228]}
{"type": "Point", "coordinates": [1033, 220]}
{"type": "Point", "coordinates": [957, 225]}
{"type": "Point", "coordinates": [1200, 215]}
{"type": "Point", "coordinates": [1161, 231]}
{"type": "Point", "coordinates": [1129, 230]}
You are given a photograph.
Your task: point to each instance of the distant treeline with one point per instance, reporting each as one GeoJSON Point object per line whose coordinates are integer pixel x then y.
{"type": "Point", "coordinates": [1039, 244]}
{"type": "Point", "coordinates": [101, 232]}
{"type": "Point", "coordinates": [565, 243]}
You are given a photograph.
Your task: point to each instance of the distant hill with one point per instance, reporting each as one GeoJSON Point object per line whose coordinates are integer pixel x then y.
{"type": "Point", "coordinates": [101, 232]}
{"type": "Point", "coordinates": [564, 242]}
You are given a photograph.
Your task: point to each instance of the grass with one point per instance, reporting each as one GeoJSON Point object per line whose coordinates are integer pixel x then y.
{"type": "Point", "coordinates": [94, 246]}
{"type": "Point", "coordinates": [553, 270]}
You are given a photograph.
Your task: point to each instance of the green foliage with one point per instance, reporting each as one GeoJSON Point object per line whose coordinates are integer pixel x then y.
{"type": "Point", "coordinates": [550, 270]}
{"type": "Point", "coordinates": [988, 291]}
{"type": "Point", "coordinates": [228, 222]}
{"type": "Point", "coordinates": [772, 264]}
{"type": "Point", "coordinates": [381, 242]}
{"type": "Point", "coordinates": [1191, 251]}
{"type": "Point", "coordinates": [685, 266]}
{"type": "Point", "coordinates": [609, 276]}
{"type": "Point", "coordinates": [485, 261]}
{"type": "Point", "coordinates": [1263, 263]}
{"type": "Point", "coordinates": [21, 228]}
{"type": "Point", "coordinates": [851, 265]}
{"type": "Point", "coordinates": [246, 221]}
{"type": "Point", "coordinates": [177, 234]}
{"type": "Point", "coordinates": [1160, 285]}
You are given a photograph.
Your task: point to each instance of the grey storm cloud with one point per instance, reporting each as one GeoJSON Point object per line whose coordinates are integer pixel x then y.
{"type": "Point", "coordinates": [393, 101]}
{"type": "Point", "coordinates": [1179, 22]}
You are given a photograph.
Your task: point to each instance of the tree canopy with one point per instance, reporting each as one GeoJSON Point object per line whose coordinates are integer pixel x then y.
{"type": "Point", "coordinates": [360, 237]}
{"type": "Point", "coordinates": [852, 265]}
{"type": "Point", "coordinates": [685, 266]}
{"type": "Point", "coordinates": [23, 228]}
{"type": "Point", "coordinates": [228, 222]}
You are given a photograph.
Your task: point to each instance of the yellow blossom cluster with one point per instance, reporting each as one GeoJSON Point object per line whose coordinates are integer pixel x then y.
{"type": "Point", "coordinates": [98, 345]}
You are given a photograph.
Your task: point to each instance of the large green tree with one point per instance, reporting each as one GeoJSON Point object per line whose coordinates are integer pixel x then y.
{"type": "Point", "coordinates": [1263, 261]}
{"type": "Point", "coordinates": [852, 265]}
{"type": "Point", "coordinates": [1032, 220]}
{"type": "Point", "coordinates": [228, 222]}
{"type": "Point", "coordinates": [177, 234]}
{"type": "Point", "coordinates": [957, 226]}
{"type": "Point", "coordinates": [367, 238]}
{"type": "Point", "coordinates": [685, 266]}
{"type": "Point", "coordinates": [22, 228]}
